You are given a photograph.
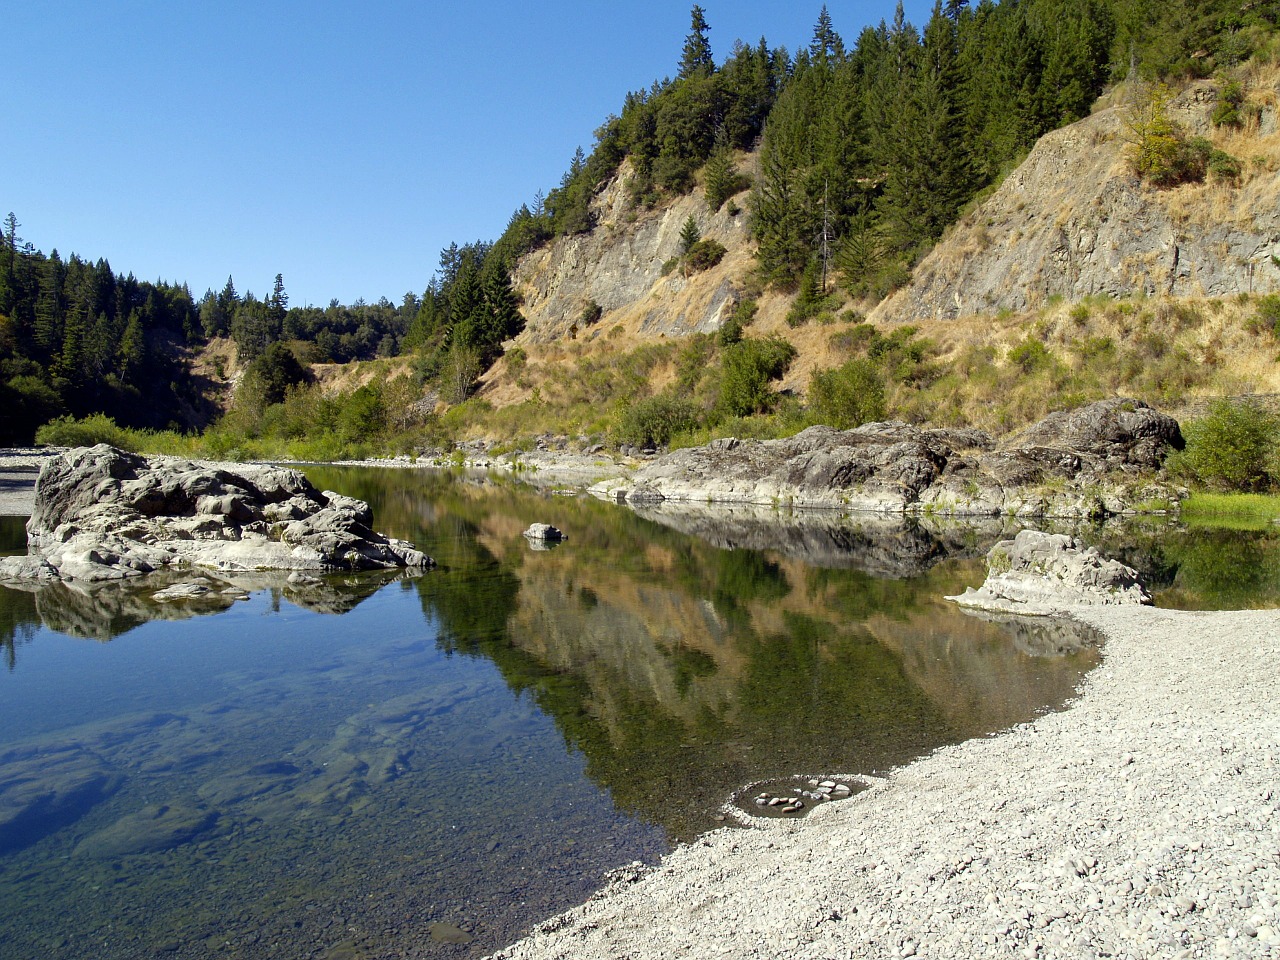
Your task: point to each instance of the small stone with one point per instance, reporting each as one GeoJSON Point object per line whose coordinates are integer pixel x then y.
{"type": "Point", "coordinates": [544, 531]}
{"type": "Point", "coordinates": [908, 949]}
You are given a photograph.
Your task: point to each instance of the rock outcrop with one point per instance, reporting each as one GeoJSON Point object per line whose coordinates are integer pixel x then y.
{"type": "Point", "coordinates": [102, 514]}
{"type": "Point", "coordinates": [1042, 573]}
{"type": "Point", "coordinates": [1073, 221]}
{"type": "Point", "coordinates": [1089, 462]}
{"type": "Point", "coordinates": [618, 265]}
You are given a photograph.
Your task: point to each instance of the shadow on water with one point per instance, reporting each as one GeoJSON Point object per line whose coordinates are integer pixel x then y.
{"type": "Point", "coordinates": [341, 764]}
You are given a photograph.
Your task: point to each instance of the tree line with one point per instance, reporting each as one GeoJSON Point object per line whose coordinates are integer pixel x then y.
{"type": "Point", "coordinates": [863, 154]}
{"type": "Point", "coordinates": [867, 152]}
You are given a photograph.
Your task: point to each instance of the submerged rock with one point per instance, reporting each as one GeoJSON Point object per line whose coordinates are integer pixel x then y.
{"type": "Point", "coordinates": [1040, 573]}
{"type": "Point", "coordinates": [153, 828]}
{"type": "Point", "coordinates": [43, 790]}
{"type": "Point", "coordinates": [102, 514]}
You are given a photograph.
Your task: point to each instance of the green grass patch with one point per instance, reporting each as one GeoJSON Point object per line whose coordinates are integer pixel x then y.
{"type": "Point", "coordinates": [1240, 511]}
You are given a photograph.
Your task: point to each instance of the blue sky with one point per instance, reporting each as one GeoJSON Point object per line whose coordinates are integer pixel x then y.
{"type": "Point", "coordinates": [342, 144]}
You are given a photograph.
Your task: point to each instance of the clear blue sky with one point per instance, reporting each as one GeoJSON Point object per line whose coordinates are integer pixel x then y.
{"type": "Point", "coordinates": [342, 144]}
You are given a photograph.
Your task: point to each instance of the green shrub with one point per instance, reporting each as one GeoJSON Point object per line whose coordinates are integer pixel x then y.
{"type": "Point", "coordinates": [749, 367]}
{"type": "Point", "coordinates": [1269, 313]}
{"type": "Point", "coordinates": [849, 395]}
{"type": "Point", "coordinates": [1031, 355]}
{"type": "Point", "coordinates": [1223, 166]}
{"type": "Point", "coordinates": [591, 313]}
{"type": "Point", "coordinates": [1233, 447]}
{"type": "Point", "coordinates": [1226, 112]}
{"type": "Point", "coordinates": [93, 429]}
{"type": "Point", "coordinates": [655, 420]}
{"type": "Point", "coordinates": [704, 254]}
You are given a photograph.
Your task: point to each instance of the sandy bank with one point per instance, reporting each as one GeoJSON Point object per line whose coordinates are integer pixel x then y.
{"type": "Point", "coordinates": [1142, 821]}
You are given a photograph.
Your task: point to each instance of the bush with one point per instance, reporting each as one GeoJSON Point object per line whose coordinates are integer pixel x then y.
{"type": "Point", "coordinates": [849, 395]}
{"type": "Point", "coordinates": [93, 429]}
{"type": "Point", "coordinates": [1223, 166]}
{"type": "Point", "coordinates": [704, 255]}
{"type": "Point", "coordinates": [1031, 355]}
{"type": "Point", "coordinates": [591, 313]}
{"type": "Point", "coordinates": [1235, 447]}
{"type": "Point", "coordinates": [1269, 313]}
{"type": "Point", "coordinates": [1226, 112]}
{"type": "Point", "coordinates": [749, 367]}
{"type": "Point", "coordinates": [655, 420]}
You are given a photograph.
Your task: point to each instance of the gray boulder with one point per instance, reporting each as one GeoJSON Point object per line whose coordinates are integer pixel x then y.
{"type": "Point", "coordinates": [102, 514]}
{"type": "Point", "coordinates": [1043, 573]}
{"type": "Point", "coordinates": [1094, 460]}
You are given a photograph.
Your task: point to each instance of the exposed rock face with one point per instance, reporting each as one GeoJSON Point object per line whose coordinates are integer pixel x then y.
{"type": "Point", "coordinates": [1040, 573]}
{"type": "Point", "coordinates": [1087, 462]}
{"type": "Point", "coordinates": [101, 514]}
{"type": "Point", "coordinates": [618, 265]}
{"type": "Point", "coordinates": [1073, 221]}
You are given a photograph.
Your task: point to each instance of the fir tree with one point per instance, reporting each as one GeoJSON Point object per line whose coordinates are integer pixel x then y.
{"type": "Point", "coordinates": [826, 47]}
{"type": "Point", "coordinates": [696, 60]}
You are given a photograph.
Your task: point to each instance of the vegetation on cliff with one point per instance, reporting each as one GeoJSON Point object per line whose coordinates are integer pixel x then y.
{"type": "Point", "coordinates": [856, 157]}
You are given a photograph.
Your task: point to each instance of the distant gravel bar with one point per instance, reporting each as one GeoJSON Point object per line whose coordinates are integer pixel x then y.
{"type": "Point", "coordinates": [1139, 822]}
{"type": "Point", "coordinates": [19, 467]}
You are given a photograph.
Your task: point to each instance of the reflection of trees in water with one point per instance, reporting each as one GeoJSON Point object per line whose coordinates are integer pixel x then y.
{"type": "Point", "coordinates": [18, 622]}
{"type": "Point", "coordinates": [1198, 568]}
{"type": "Point", "coordinates": [814, 695]}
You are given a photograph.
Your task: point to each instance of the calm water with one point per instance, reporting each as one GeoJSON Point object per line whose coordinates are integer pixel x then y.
{"type": "Point", "coordinates": [331, 771]}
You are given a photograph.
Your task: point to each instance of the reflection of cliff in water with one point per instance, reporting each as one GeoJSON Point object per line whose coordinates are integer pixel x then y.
{"type": "Point", "coordinates": [682, 670]}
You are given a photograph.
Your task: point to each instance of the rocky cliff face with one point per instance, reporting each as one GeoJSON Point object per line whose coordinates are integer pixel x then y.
{"type": "Point", "coordinates": [618, 265]}
{"type": "Point", "coordinates": [1073, 221]}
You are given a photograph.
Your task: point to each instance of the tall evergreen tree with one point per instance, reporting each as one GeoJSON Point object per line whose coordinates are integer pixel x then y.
{"type": "Point", "coordinates": [696, 59]}
{"type": "Point", "coordinates": [827, 47]}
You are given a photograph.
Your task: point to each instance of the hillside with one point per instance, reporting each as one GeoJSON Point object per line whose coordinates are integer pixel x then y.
{"type": "Point", "coordinates": [1073, 221]}
{"type": "Point", "coordinates": [1071, 249]}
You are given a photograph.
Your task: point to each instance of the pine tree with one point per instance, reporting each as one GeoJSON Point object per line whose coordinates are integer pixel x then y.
{"type": "Point", "coordinates": [928, 171]}
{"type": "Point", "coordinates": [689, 235]}
{"type": "Point", "coordinates": [720, 179]}
{"type": "Point", "coordinates": [827, 48]}
{"type": "Point", "coordinates": [696, 60]}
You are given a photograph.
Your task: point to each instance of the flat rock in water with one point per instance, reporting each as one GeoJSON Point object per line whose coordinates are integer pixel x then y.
{"type": "Point", "coordinates": [103, 514]}
{"type": "Point", "coordinates": [153, 828]}
{"type": "Point", "coordinates": [44, 790]}
{"type": "Point", "coordinates": [448, 933]}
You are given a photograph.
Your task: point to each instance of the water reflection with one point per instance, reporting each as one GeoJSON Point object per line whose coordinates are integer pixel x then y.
{"type": "Point", "coordinates": [684, 657]}
{"type": "Point", "coordinates": [475, 745]}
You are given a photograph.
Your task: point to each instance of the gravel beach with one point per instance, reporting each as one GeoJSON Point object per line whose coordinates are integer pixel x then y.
{"type": "Point", "coordinates": [19, 467]}
{"type": "Point", "coordinates": [1139, 822]}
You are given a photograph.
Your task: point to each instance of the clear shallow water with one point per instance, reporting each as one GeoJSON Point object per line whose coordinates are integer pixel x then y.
{"type": "Point", "coordinates": [330, 771]}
